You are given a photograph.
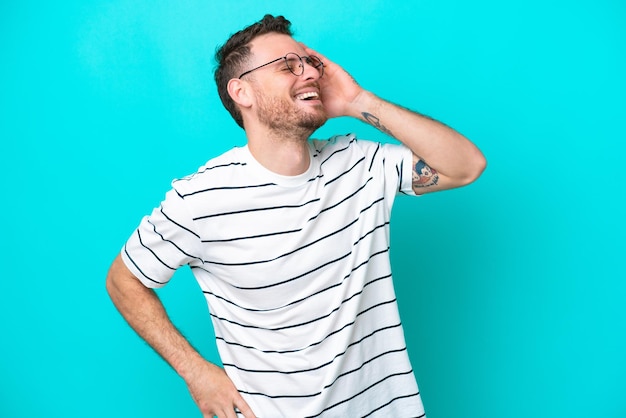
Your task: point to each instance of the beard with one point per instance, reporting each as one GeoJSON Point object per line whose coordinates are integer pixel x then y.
{"type": "Point", "coordinates": [284, 116]}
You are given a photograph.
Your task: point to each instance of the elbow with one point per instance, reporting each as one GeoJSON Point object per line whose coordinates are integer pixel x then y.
{"type": "Point", "coordinates": [475, 166]}
{"type": "Point", "coordinates": [479, 165]}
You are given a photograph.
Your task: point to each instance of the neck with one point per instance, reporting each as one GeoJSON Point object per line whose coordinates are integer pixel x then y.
{"type": "Point", "coordinates": [284, 154]}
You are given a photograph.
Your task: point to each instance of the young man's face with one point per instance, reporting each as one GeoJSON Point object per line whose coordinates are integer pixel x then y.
{"type": "Point", "coordinates": [284, 101]}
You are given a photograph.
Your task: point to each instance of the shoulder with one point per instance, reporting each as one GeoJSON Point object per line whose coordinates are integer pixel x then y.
{"type": "Point", "coordinates": [215, 170]}
{"type": "Point", "coordinates": [348, 142]}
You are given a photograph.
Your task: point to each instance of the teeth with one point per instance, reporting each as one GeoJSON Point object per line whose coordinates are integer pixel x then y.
{"type": "Point", "coordinates": [308, 95]}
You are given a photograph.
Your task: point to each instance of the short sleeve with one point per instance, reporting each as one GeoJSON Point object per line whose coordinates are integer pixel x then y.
{"type": "Point", "coordinates": [391, 164]}
{"type": "Point", "coordinates": [163, 242]}
{"type": "Point", "coordinates": [398, 160]}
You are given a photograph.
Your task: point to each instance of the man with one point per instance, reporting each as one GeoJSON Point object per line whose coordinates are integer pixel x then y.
{"type": "Point", "coordinates": [289, 241]}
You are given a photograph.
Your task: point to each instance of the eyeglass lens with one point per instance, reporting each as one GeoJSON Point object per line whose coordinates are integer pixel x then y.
{"type": "Point", "coordinates": [296, 66]}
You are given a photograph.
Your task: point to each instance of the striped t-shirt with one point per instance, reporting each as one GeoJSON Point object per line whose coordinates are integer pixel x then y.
{"type": "Point", "coordinates": [296, 274]}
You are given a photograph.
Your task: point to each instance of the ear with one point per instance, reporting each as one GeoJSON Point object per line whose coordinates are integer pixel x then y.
{"type": "Point", "coordinates": [240, 92]}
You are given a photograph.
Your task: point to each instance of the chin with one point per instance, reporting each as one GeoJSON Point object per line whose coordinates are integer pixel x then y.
{"type": "Point", "coordinates": [314, 123]}
{"type": "Point", "coordinates": [318, 117]}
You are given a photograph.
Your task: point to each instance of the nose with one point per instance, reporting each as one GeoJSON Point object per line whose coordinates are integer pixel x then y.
{"type": "Point", "coordinates": [309, 71]}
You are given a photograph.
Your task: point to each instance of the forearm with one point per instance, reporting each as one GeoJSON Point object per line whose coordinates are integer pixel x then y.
{"type": "Point", "coordinates": [448, 153]}
{"type": "Point", "coordinates": [144, 312]}
{"type": "Point", "coordinates": [208, 384]}
{"type": "Point", "coordinates": [452, 155]}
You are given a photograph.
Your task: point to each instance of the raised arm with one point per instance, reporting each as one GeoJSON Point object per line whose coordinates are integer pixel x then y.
{"type": "Point", "coordinates": [443, 158]}
{"type": "Point", "coordinates": [210, 387]}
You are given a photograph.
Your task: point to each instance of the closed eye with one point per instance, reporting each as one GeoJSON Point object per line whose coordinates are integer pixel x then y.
{"type": "Point", "coordinates": [313, 62]}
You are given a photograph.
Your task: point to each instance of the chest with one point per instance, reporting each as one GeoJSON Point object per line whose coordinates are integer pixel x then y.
{"type": "Point", "coordinates": [263, 236]}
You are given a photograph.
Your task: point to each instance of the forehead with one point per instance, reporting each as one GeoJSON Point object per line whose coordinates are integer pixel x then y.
{"type": "Point", "coordinates": [273, 45]}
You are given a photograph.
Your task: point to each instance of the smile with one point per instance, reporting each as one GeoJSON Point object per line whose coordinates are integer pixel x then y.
{"type": "Point", "coordinates": [311, 95]}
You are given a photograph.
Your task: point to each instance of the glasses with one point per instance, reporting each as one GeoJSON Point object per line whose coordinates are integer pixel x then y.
{"type": "Point", "coordinates": [294, 64]}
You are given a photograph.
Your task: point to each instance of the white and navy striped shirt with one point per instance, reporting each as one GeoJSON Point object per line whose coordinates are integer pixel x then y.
{"type": "Point", "coordinates": [296, 274]}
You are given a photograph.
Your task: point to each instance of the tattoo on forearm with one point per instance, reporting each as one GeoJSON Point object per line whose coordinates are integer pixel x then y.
{"type": "Point", "coordinates": [374, 121]}
{"type": "Point", "coordinates": [423, 174]}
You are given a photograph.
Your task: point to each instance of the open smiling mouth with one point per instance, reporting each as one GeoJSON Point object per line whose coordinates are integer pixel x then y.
{"type": "Point", "coordinates": [308, 96]}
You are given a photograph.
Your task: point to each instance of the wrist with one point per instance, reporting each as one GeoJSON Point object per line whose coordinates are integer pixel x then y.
{"type": "Point", "coordinates": [202, 370]}
{"type": "Point", "coordinates": [364, 102]}
{"type": "Point", "coordinates": [189, 364]}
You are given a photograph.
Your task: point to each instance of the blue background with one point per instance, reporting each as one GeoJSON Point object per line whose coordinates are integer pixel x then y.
{"type": "Point", "coordinates": [512, 289]}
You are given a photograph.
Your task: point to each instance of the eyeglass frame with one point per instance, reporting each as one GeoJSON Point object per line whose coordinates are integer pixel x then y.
{"type": "Point", "coordinates": [306, 58]}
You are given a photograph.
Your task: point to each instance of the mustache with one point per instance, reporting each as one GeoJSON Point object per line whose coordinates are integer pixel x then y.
{"type": "Point", "coordinates": [314, 85]}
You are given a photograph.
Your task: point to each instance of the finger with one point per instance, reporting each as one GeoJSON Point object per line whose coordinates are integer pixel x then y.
{"type": "Point", "coordinates": [227, 413]}
{"type": "Point", "coordinates": [311, 51]}
{"type": "Point", "coordinates": [244, 408]}
{"type": "Point", "coordinates": [306, 48]}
